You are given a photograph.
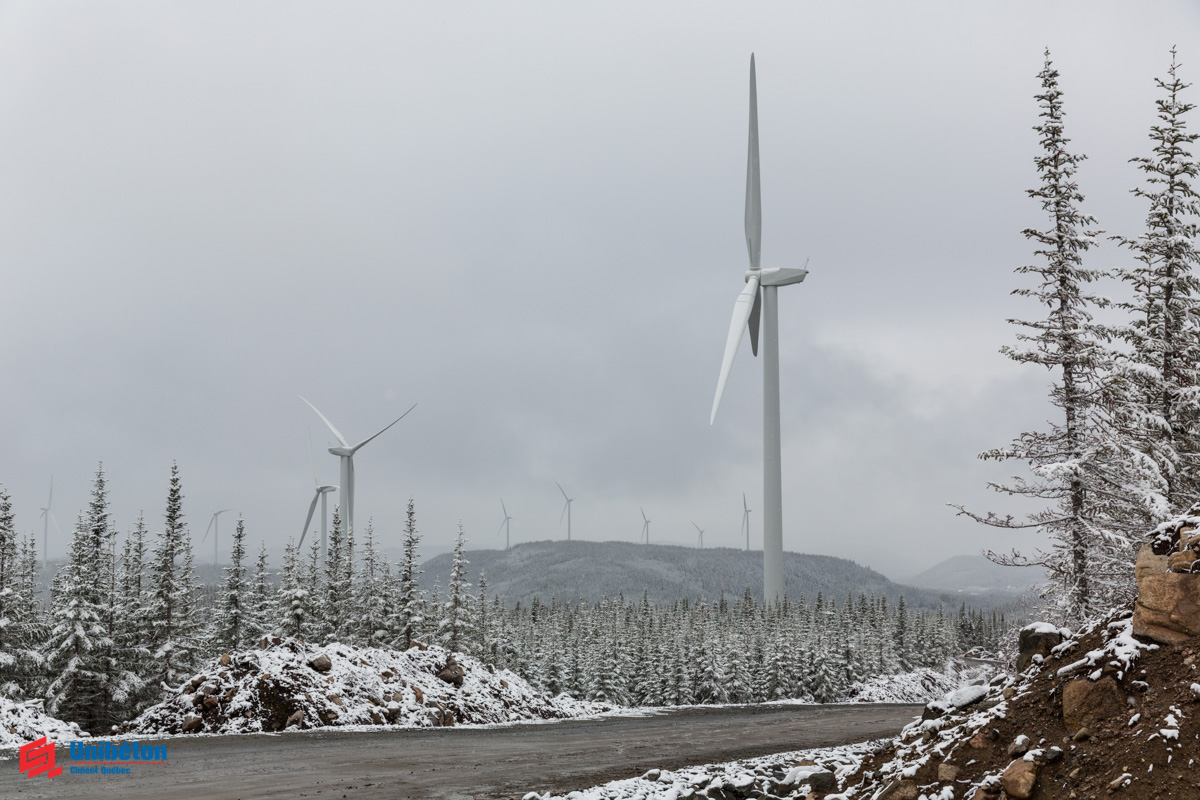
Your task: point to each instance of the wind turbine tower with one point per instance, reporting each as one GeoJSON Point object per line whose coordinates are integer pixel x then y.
{"type": "Point", "coordinates": [214, 525]}
{"type": "Point", "coordinates": [346, 452]}
{"type": "Point", "coordinates": [760, 294]}
{"type": "Point", "coordinates": [504, 525]}
{"type": "Point", "coordinates": [746, 520]}
{"type": "Point", "coordinates": [645, 526]}
{"type": "Point", "coordinates": [47, 516]}
{"type": "Point", "coordinates": [322, 494]}
{"type": "Point", "coordinates": [566, 508]}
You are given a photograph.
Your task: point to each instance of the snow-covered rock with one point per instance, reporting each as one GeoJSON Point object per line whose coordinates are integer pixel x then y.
{"type": "Point", "coordinates": [288, 684]}
{"type": "Point", "coordinates": [919, 686]}
{"type": "Point", "coordinates": [23, 722]}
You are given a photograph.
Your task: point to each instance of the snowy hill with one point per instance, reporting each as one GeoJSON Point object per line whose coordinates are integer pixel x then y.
{"type": "Point", "coordinates": [974, 575]}
{"type": "Point", "coordinates": [593, 570]}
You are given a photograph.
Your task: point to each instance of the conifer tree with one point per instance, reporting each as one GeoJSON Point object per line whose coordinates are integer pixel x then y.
{"type": "Point", "coordinates": [293, 596]}
{"type": "Point", "coordinates": [172, 610]}
{"type": "Point", "coordinates": [334, 610]}
{"type": "Point", "coordinates": [409, 616]}
{"type": "Point", "coordinates": [76, 635]}
{"type": "Point", "coordinates": [260, 619]}
{"type": "Point", "coordinates": [370, 605]}
{"type": "Point", "coordinates": [19, 656]}
{"type": "Point", "coordinates": [457, 626]}
{"type": "Point", "coordinates": [231, 621]}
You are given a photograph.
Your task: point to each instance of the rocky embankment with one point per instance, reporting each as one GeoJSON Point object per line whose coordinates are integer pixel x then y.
{"type": "Point", "coordinates": [287, 683]}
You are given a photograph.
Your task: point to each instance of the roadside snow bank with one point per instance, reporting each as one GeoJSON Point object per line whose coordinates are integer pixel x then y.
{"type": "Point", "coordinates": [918, 686]}
{"type": "Point", "coordinates": [294, 684]}
{"type": "Point", "coordinates": [21, 723]}
{"type": "Point", "coordinates": [793, 774]}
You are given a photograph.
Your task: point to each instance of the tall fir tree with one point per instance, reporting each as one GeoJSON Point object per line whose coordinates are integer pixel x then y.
{"type": "Point", "coordinates": [231, 623]}
{"type": "Point", "coordinates": [172, 609]}
{"type": "Point", "coordinates": [19, 638]}
{"type": "Point", "coordinates": [457, 625]}
{"type": "Point", "coordinates": [409, 606]}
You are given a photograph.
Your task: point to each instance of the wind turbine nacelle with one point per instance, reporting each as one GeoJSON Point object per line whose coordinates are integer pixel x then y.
{"type": "Point", "coordinates": [777, 276]}
{"type": "Point", "coordinates": [326, 489]}
{"type": "Point", "coordinates": [341, 451]}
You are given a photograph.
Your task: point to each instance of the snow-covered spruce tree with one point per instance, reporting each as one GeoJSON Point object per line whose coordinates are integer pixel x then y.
{"type": "Point", "coordinates": [334, 609]}
{"type": "Point", "coordinates": [132, 636]}
{"type": "Point", "coordinates": [260, 617]}
{"type": "Point", "coordinates": [76, 636]}
{"type": "Point", "coordinates": [370, 592]}
{"type": "Point", "coordinates": [409, 605]}
{"type": "Point", "coordinates": [457, 625]}
{"type": "Point", "coordinates": [1160, 404]}
{"type": "Point", "coordinates": [172, 609]}
{"type": "Point", "coordinates": [230, 627]}
{"type": "Point", "coordinates": [19, 656]}
{"type": "Point", "coordinates": [292, 603]}
{"type": "Point", "coordinates": [1081, 464]}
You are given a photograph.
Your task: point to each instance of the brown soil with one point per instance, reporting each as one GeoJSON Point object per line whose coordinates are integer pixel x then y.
{"type": "Point", "coordinates": [1156, 684]}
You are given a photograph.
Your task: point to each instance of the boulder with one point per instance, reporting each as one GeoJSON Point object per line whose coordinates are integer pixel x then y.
{"type": "Point", "coordinates": [224, 659]}
{"type": "Point", "coordinates": [1019, 779]}
{"type": "Point", "coordinates": [1036, 639]}
{"type": "Point", "coordinates": [452, 673]}
{"type": "Point", "coordinates": [321, 663]}
{"type": "Point", "coordinates": [1089, 704]}
{"type": "Point", "coordinates": [1181, 561]}
{"type": "Point", "coordinates": [296, 719]}
{"type": "Point", "coordinates": [192, 723]}
{"type": "Point", "coordinates": [947, 772]}
{"type": "Point", "coordinates": [821, 782]}
{"type": "Point", "coordinates": [1168, 607]}
{"type": "Point", "coordinates": [900, 790]}
{"type": "Point", "coordinates": [1148, 563]}
{"type": "Point", "coordinates": [419, 694]}
{"type": "Point", "coordinates": [1019, 746]}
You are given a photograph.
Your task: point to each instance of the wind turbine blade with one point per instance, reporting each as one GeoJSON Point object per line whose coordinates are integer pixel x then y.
{"type": "Point", "coordinates": [753, 190]}
{"type": "Point", "coordinates": [312, 507]}
{"type": "Point", "coordinates": [209, 528]}
{"type": "Point", "coordinates": [564, 493]}
{"type": "Point", "coordinates": [50, 502]}
{"type": "Point", "coordinates": [741, 312]}
{"type": "Point", "coordinates": [754, 314]}
{"type": "Point", "coordinates": [697, 527]}
{"type": "Point", "coordinates": [502, 507]}
{"type": "Point", "coordinates": [744, 505]}
{"type": "Point", "coordinates": [643, 513]}
{"type": "Point", "coordinates": [325, 419]}
{"type": "Point", "coordinates": [564, 511]}
{"type": "Point", "coordinates": [390, 424]}
{"type": "Point", "coordinates": [312, 459]}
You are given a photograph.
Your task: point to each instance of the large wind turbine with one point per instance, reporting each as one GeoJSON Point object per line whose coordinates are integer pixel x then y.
{"type": "Point", "coordinates": [504, 525]}
{"type": "Point", "coordinates": [697, 527]}
{"type": "Point", "coordinates": [566, 508]}
{"type": "Point", "coordinates": [746, 520]}
{"type": "Point", "coordinates": [47, 516]}
{"type": "Point", "coordinates": [322, 493]}
{"type": "Point", "coordinates": [760, 293]}
{"type": "Point", "coordinates": [214, 525]}
{"type": "Point", "coordinates": [346, 453]}
{"type": "Point", "coordinates": [645, 526]}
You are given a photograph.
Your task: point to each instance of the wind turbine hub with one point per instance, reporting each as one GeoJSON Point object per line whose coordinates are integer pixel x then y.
{"type": "Point", "coordinates": [341, 451]}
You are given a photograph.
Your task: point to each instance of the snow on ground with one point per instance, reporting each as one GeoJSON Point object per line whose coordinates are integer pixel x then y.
{"type": "Point", "coordinates": [780, 775]}
{"type": "Point", "coordinates": [294, 684]}
{"type": "Point", "coordinates": [25, 722]}
{"type": "Point", "coordinates": [920, 685]}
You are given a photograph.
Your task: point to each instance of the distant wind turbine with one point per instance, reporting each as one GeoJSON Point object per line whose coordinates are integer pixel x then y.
{"type": "Point", "coordinates": [504, 525]}
{"type": "Point", "coordinates": [746, 520]}
{"type": "Point", "coordinates": [645, 526]}
{"type": "Point", "coordinates": [346, 453]}
{"type": "Point", "coordinates": [214, 525]}
{"type": "Point", "coordinates": [746, 314]}
{"type": "Point", "coordinates": [697, 527]}
{"type": "Point", "coordinates": [47, 517]}
{"type": "Point", "coordinates": [566, 508]}
{"type": "Point", "coordinates": [322, 493]}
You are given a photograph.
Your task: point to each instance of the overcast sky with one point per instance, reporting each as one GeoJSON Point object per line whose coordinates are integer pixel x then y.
{"type": "Point", "coordinates": [527, 218]}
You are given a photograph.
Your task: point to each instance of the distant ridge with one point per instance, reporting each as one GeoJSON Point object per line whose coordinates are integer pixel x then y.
{"type": "Point", "coordinates": [974, 575]}
{"type": "Point", "coordinates": [592, 570]}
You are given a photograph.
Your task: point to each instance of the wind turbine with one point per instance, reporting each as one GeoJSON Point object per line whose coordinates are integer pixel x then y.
{"type": "Point", "coordinates": [214, 525]}
{"type": "Point", "coordinates": [504, 525]}
{"type": "Point", "coordinates": [47, 516]}
{"type": "Point", "coordinates": [322, 493]}
{"type": "Point", "coordinates": [746, 520]}
{"type": "Point", "coordinates": [761, 293]}
{"type": "Point", "coordinates": [346, 453]}
{"type": "Point", "coordinates": [566, 508]}
{"type": "Point", "coordinates": [697, 527]}
{"type": "Point", "coordinates": [645, 526]}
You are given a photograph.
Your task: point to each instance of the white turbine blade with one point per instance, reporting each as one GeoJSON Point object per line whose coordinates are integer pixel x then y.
{"type": "Point", "coordinates": [564, 492]}
{"type": "Point", "coordinates": [741, 312]}
{"type": "Point", "coordinates": [564, 511]}
{"type": "Point", "coordinates": [643, 514]}
{"type": "Point", "coordinates": [505, 509]}
{"type": "Point", "coordinates": [697, 527]}
{"type": "Point", "coordinates": [50, 502]}
{"type": "Point", "coordinates": [390, 424]}
{"type": "Point", "coordinates": [753, 323]}
{"type": "Point", "coordinates": [312, 459]}
{"type": "Point", "coordinates": [209, 528]}
{"type": "Point", "coordinates": [753, 191]}
{"type": "Point", "coordinates": [325, 419]}
{"type": "Point", "coordinates": [744, 505]}
{"type": "Point", "coordinates": [312, 507]}
{"type": "Point", "coordinates": [501, 528]}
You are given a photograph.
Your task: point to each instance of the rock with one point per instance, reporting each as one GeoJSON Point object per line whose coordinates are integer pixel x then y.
{"type": "Point", "coordinates": [947, 772]}
{"type": "Point", "coordinates": [1088, 704]}
{"type": "Point", "coordinates": [979, 741]}
{"type": "Point", "coordinates": [900, 790]}
{"type": "Point", "coordinates": [933, 710]}
{"type": "Point", "coordinates": [1019, 779]}
{"type": "Point", "coordinates": [504, 683]}
{"type": "Point", "coordinates": [296, 719]}
{"type": "Point", "coordinates": [211, 702]}
{"type": "Point", "coordinates": [1009, 693]}
{"type": "Point", "coordinates": [452, 673]}
{"type": "Point", "coordinates": [1019, 746]}
{"type": "Point", "coordinates": [224, 659]}
{"type": "Point", "coordinates": [1036, 639]}
{"type": "Point", "coordinates": [192, 723]}
{"type": "Point", "coordinates": [1168, 607]}
{"type": "Point", "coordinates": [1119, 781]}
{"type": "Point", "coordinates": [1181, 562]}
{"type": "Point", "coordinates": [209, 689]}
{"type": "Point", "coordinates": [1148, 563]}
{"type": "Point", "coordinates": [1081, 735]}
{"type": "Point", "coordinates": [1053, 755]}
{"type": "Point", "coordinates": [419, 694]}
{"type": "Point", "coordinates": [651, 775]}
{"type": "Point", "coordinates": [321, 663]}
{"type": "Point", "coordinates": [821, 782]}
{"type": "Point", "coordinates": [417, 645]}
{"type": "Point", "coordinates": [337, 701]}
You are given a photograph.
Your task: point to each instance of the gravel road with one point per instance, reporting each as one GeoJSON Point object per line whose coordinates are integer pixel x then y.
{"type": "Point", "coordinates": [464, 762]}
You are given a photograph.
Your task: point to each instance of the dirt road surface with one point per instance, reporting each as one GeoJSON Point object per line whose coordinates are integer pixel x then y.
{"type": "Point", "coordinates": [463, 762]}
